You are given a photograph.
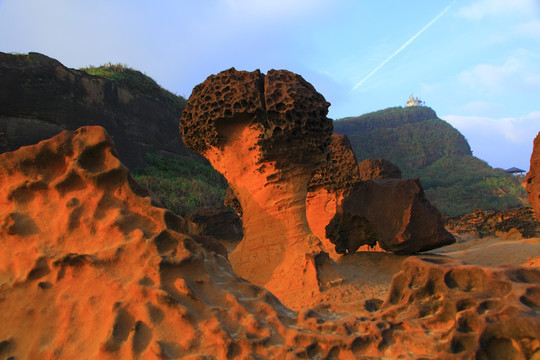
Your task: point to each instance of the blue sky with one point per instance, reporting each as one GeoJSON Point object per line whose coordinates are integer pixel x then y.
{"type": "Point", "coordinates": [475, 62]}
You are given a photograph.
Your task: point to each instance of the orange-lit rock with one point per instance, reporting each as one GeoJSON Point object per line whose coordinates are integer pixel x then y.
{"type": "Point", "coordinates": [266, 134]}
{"type": "Point", "coordinates": [327, 188]}
{"type": "Point", "coordinates": [90, 269]}
{"type": "Point", "coordinates": [532, 181]}
{"type": "Point", "coordinates": [349, 214]}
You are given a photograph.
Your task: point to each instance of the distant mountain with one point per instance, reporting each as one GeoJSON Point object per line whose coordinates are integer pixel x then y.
{"type": "Point", "coordinates": [424, 146]}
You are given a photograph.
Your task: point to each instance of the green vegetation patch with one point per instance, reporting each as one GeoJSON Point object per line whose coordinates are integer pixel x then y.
{"type": "Point", "coordinates": [426, 147]}
{"type": "Point", "coordinates": [183, 184]}
{"type": "Point", "coordinates": [137, 81]}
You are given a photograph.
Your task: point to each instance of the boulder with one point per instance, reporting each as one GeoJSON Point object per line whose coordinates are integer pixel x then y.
{"type": "Point", "coordinates": [266, 134]}
{"type": "Point", "coordinates": [392, 212]}
{"type": "Point", "coordinates": [40, 97]}
{"type": "Point", "coordinates": [219, 223]}
{"type": "Point", "coordinates": [378, 169]}
{"type": "Point", "coordinates": [532, 181]}
{"type": "Point", "coordinates": [349, 214]}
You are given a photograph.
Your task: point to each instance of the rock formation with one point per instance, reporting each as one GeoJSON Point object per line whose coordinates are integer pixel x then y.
{"type": "Point", "coordinates": [378, 169]}
{"type": "Point", "coordinates": [39, 98]}
{"type": "Point", "coordinates": [266, 134]}
{"type": "Point", "coordinates": [483, 223]}
{"type": "Point", "coordinates": [391, 212]}
{"type": "Point", "coordinates": [219, 223]}
{"type": "Point", "coordinates": [533, 178]}
{"type": "Point", "coordinates": [328, 186]}
{"type": "Point", "coordinates": [349, 214]}
{"type": "Point", "coordinates": [90, 269]}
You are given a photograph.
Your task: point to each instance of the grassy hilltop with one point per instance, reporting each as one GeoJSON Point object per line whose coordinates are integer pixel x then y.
{"type": "Point", "coordinates": [424, 146]}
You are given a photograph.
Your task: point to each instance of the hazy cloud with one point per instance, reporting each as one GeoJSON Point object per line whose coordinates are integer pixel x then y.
{"type": "Point", "coordinates": [529, 29]}
{"type": "Point", "coordinates": [518, 130]}
{"type": "Point", "coordinates": [484, 8]}
{"type": "Point", "coordinates": [516, 73]}
{"type": "Point", "coordinates": [505, 142]}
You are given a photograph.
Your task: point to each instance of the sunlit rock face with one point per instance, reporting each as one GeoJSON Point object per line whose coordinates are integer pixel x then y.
{"type": "Point", "coordinates": [328, 187]}
{"type": "Point", "coordinates": [532, 182]}
{"type": "Point", "coordinates": [266, 134]}
{"type": "Point", "coordinates": [89, 268]}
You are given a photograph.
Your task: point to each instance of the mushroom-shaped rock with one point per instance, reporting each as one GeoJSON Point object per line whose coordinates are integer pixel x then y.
{"type": "Point", "coordinates": [266, 134]}
{"type": "Point", "coordinates": [532, 182]}
{"type": "Point", "coordinates": [378, 169]}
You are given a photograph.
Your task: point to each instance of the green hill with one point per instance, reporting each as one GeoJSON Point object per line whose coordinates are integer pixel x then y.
{"type": "Point", "coordinates": [424, 146]}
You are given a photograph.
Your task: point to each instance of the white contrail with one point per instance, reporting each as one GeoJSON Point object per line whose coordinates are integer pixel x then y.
{"type": "Point", "coordinates": [402, 47]}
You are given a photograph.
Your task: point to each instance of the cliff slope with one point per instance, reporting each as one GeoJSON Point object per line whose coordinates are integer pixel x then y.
{"type": "Point", "coordinates": [424, 146]}
{"type": "Point", "coordinates": [39, 98]}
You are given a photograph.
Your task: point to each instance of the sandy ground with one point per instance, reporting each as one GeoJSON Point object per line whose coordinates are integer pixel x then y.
{"type": "Point", "coordinates": [365, 275]}
{"type": "Point", "coordinates": [492, 251]}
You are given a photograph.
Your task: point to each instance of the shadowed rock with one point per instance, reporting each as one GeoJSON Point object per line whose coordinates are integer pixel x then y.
{"type": "Point", "coordinates": [349, 214]}
{"type": "Point", "coordinates": [222, 223]}
{"type": "Point", "coordinates": [378, 169]}
{"type": "Point", "coordinates": [394, 212]}
{"type": "Point", "coordinates": [266, 134]}
{"type": "Point", "coordinates": [532, 181]}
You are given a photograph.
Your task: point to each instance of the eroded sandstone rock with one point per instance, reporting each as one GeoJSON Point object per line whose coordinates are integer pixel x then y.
{"type": "Point", "coordinates": [483, 223]}
{"type": "Point", "coordinates": [266, 134]}
{"type": "Point", "coordinates": [533, 178]}
{"type": "Point", "coordinates": [349, 214]}
{"type": "Point", "coordinates": [328, 186]}
{"type": "Point", "coordinates": [90, 269]}
{"type": "Point", "coordinates": [378, 169]}
{"type": "Point", "coordinates": [392, 212]}
{"type": "Point", "coordinates": [219, 223]}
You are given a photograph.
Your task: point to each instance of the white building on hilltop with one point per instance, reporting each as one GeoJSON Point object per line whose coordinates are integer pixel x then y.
{"type": "Point", "coordinates": [414, 101]}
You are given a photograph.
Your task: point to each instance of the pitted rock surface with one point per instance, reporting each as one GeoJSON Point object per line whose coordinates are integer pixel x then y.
{"type": "Point", "coordinates": [532, 180]}
{"type": "Point", "coordinates": [484, 223]}
{"type": "Point", "coordinates": [266, 134]}
{"type": "Point", "coordinates": [96, 271]}
{"type": "Point", "coordinates": [286, 109]}
{"type": "Point", "coordinates": [378, 169]}
{"type": "Point", "coordinates": [341, 171]}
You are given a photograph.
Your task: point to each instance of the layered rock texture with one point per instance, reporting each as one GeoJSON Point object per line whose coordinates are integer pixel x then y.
{"type": "Point", "coordinates": [532, 182]}
{"type": "Point", "coordinates": [39, 98]}
{"type": "Point", "coordinates": [266, 134]}
{"type": "Point", "coordinates": [89, 268]}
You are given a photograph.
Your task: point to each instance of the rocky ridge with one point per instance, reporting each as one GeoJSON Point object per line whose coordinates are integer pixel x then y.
{"type": "Point", "coordinates": [40, 97]}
